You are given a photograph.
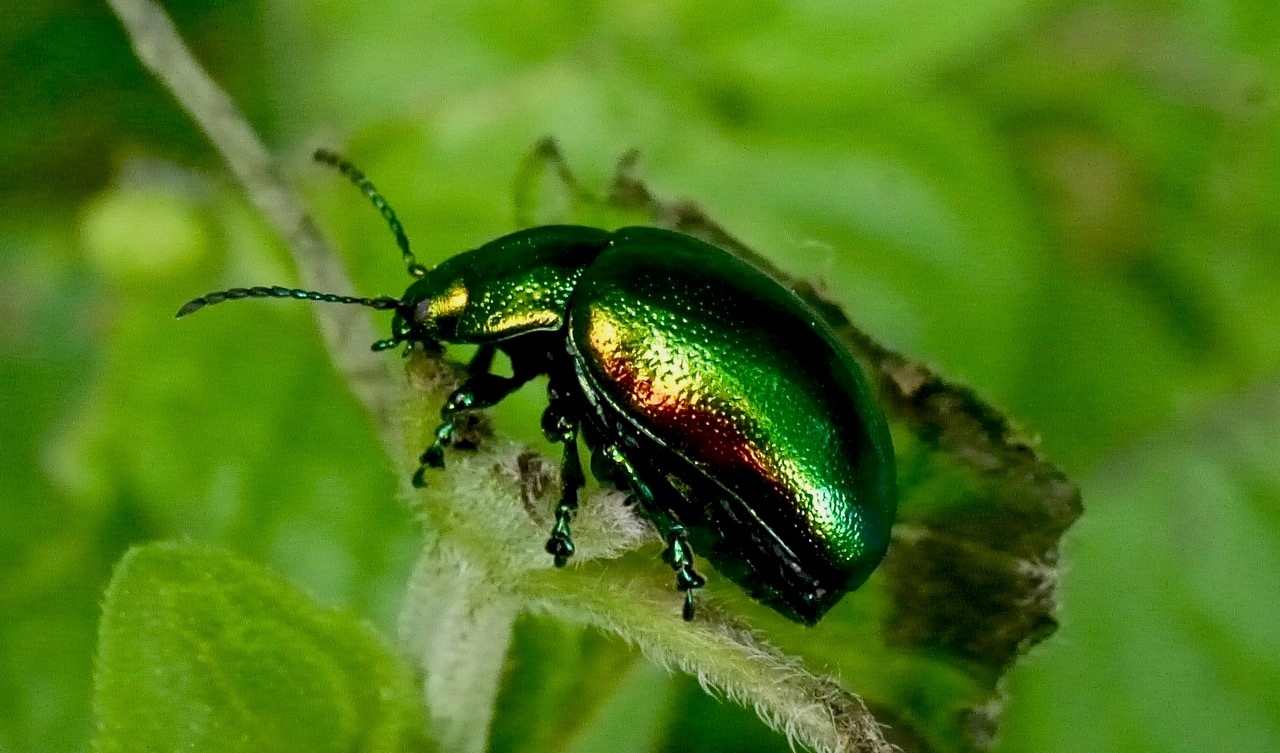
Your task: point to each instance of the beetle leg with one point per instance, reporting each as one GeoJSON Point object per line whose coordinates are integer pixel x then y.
{"type": "Point", "coordinates": [559, 427]}
{"type": "Point", "coordinates": [604, 470]}
{"type": "Point", "coordinates": [679, 555]}
{"type": "Point", "coordinates": [481, 390]}
{"type": "Point", "coordinates": [482, 361]}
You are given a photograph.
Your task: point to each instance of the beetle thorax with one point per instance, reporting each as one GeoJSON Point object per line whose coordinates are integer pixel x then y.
{"type": "Point", "coordinates": [514, 285]}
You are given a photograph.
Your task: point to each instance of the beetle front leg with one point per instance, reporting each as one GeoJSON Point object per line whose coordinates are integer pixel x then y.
{"type": "Point", "coordinates": [559, 427]}
{"type": "Point", "coordinates": [481, 390]}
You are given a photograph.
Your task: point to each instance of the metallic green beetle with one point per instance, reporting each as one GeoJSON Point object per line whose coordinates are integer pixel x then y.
{"type": "Point", "coordinates": [710, 392]}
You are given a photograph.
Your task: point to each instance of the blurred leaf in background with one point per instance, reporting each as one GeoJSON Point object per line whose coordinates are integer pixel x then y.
{"type": "Point", "coordinates": [1070, 206]}
{"type": "Point", "coordinates": [202, 651]}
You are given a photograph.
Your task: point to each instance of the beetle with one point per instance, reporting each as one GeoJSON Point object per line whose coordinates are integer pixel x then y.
{"type": "Point", "coordinates": [710, 392]}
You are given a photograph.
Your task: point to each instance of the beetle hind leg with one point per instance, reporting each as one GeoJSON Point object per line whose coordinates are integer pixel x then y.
{"type": "Point", "coordinates": [679, 555]}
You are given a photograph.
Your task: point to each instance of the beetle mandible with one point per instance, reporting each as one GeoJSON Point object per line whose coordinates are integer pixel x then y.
{"type": "Point", "coordinates": [718, 399]}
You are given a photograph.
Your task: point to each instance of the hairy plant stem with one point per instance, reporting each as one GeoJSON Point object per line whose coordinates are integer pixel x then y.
{"type": "Point", "coordinates": [458, 623]}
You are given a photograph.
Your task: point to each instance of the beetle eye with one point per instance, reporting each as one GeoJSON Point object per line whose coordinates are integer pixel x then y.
{"type": "Point", "coordinates": [422, 312]}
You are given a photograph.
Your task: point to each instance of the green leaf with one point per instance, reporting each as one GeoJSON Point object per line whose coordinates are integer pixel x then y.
{"type": "Point", "coordinates": [1174, 628]}
{"type": "Point", "coordinates": [202, 651]}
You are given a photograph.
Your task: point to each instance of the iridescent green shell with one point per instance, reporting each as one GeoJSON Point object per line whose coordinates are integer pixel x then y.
{"type": "Point", "coordinates": [742, 406]}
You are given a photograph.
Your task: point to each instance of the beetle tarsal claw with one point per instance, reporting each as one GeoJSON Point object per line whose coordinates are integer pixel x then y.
{"type": "Point", "coordinates": [433, 456]}
{"type": "Point", "coordinates": [687, 612]}
{"type": "Point", "coordinates": [679, 554]}
{"type": "Point", "coordinates": [561, 547]}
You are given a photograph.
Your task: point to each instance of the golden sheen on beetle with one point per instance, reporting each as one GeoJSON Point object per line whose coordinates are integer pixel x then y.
{"type": "Point", "coordinates": [721, 402]}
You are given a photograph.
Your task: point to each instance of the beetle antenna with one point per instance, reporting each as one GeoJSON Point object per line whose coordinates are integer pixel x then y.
{"type": "Point", "coordinates": [362, 182]}
{"type": "Point", "coordinates": [383, 303]}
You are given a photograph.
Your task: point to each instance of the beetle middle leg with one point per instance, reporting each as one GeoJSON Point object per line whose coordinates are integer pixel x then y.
{"type": "Point", "coordinates": [482, 389]}
{"type": "Point", "coordinates": [560, 425]}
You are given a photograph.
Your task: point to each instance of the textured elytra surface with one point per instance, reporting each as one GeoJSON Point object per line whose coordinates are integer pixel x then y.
{"type": "Point", "coordinates": [765, 417]}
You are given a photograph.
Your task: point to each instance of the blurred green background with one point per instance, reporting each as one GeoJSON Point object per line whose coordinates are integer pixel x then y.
{"type": "Point", "coordinates": [1071, 206]}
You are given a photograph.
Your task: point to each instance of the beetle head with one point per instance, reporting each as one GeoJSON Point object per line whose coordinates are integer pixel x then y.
{"type": "Point", "coordinates": [427, 312]}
